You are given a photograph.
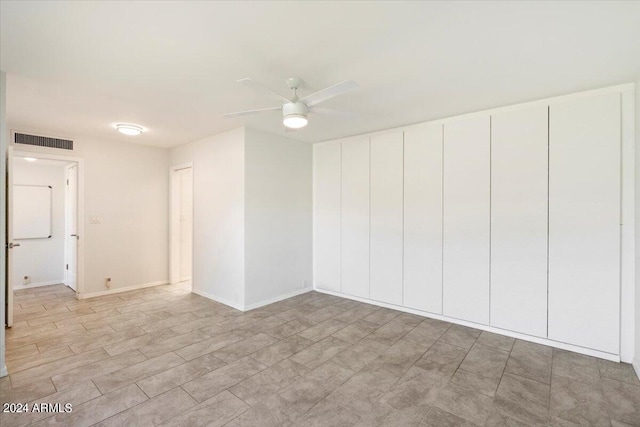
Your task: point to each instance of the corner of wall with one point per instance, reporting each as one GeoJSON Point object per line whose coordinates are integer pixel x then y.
{"type": "Point", "coordinates": [278, 217]}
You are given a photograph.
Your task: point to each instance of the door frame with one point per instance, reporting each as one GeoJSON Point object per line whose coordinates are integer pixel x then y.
{"type": "Point", "coordinates": [174, 223]}
{"type": "Point", "coordinates": [67, 214]}
{"type": "Point", "coordinates": [80, 201]}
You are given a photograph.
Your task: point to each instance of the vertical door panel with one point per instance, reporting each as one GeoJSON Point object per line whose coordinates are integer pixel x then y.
{"type": "Point", "coordinates": [584, 222]}
{"type": "Point", "coordinates": [519, 179]}
{"type": "Point", "coordinates": [386, 218]}
{"type": "Point", "coordinates": [423, 218]}
{"type": "Point", "coordinates": [355, 217]}
{"type": "Point", "coordinates": [326, 176]}
{"type": "Point", "coordinates": [466, 219]}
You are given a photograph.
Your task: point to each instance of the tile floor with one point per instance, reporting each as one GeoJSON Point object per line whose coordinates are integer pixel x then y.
{"type": "Point", "coordinates": [164, 356]}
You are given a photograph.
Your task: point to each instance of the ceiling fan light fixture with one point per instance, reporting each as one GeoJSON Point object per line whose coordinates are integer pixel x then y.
{"type": "Point", "coordinates": [126, 129]}
{"type": "Point", "coordinates": [294, 115]}
{"type": "Point", "coordinates": [295, 121]}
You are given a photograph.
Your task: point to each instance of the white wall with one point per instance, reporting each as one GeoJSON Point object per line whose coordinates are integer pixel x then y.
{"type": "Point", "coordinates": [218, 210]}
{"type": "Point", "coordinates": [278, 216]}
{"type": "Point", "coordinates": [41, 259]}
{"type": "Point", "coordinates": [127, 185]}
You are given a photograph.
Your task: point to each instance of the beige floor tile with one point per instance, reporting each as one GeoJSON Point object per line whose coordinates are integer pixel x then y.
{"type": "Point", "coordinates": [178, 375]}
{"type": "Point", "coordinates": [82, 373]}
{"type": "Point", "coordinates": [50, 369]}
{"type": "Point", "coordinates": [135, 372]}
{"type": "Point", "coordinates": [153, 411]}
{"type": "Point", "coordinates": [98, 409]}
{"type": "Point", "coordinates": [214, 382]}
{"type": "Point", "coordinates": [213, 412]}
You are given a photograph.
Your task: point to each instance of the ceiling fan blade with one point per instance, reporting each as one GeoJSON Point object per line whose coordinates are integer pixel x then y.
{"type": "Point", "coordinates": [328, 93]}
{"type": "Point", "coordinates": [333, 113]}
{"type": "Point", "coordinates": [262, 88]}
{"type": "Point", "coordinates": [249, 112]}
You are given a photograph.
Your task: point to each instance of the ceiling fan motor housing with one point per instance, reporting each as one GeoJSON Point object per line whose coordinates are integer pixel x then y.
{"type": "Point", "coordinates": [294, 109]}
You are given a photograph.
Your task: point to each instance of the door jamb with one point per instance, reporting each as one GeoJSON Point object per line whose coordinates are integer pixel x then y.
{"type": "Point", "coordinates": [174, 224]}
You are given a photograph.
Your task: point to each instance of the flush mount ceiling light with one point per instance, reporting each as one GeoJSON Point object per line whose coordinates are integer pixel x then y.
{"type": "Point", "coordinates": [30, 159]}
{"type": "Point", "coordinates": [129, 129]}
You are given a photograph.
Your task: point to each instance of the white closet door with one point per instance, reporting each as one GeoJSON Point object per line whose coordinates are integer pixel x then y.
{"type": "Point", "coordinates": [386, 218]}
{"type": "Point", "coordinates": [355, 217]}
{"type": "Point", "coordinates": [466, 219]}
{"type": "Point", "coordinates": [584, 222]}
{"type": "Point", "coordinates": [326, 205]}
{"type": "Point", "coordinates": [423, 218]}
{"type": "Point", "coordinates": [519, 179]}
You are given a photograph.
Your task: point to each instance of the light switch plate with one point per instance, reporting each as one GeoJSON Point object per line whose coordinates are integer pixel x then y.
{"type": "Point", "coordinates": [95, 219]}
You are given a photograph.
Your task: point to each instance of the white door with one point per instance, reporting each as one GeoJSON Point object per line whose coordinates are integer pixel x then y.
{"type": "Point", "coordinates": [355, 217]}
{"type": "Point", "coordinates": [386, 218]}
{"type": "Point", "coordinates": [467, 186]}
{"type": "Point", "coordinates": [326, 181]}
{"type": "Point", "coordinates": [584, 222]}
{"type": "Point", "coordinates": [11, 246]}
{"type": "Point", "coordinates": [423, 218]}
{"type": "Point", "coordinates": [519, 179]}
{"type": "Point", "coordinates": [186, 223]}
{"type": "Point", "coordinates": [72, 237]}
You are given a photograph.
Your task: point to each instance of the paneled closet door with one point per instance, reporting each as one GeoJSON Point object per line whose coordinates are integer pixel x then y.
{"type": "Point", "coordinates": [326, 239]}
{"type": "Point", "coordinates": [423, 218]}
{"type": "Point", "coordinates": [519, 180]}
{"type": "Point", "coordinates": [355, 217]}
{"type": "Point", "coordinates": [466, 219]}
{"type": "Point", "coordinates": [584, 222]}
{"type": "Point", "coordinates": [386, 218]}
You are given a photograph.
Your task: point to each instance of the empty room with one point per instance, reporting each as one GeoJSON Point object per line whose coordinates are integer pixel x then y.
{"type": "Point", "coordinates": [320, 213]}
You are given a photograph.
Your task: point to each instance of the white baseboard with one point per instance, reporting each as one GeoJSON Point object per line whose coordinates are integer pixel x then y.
{"type": "Point", "coordinates": [243, 307]}
{"type": "Point", "coordinates": [85, 295]}
{"type": "Point", "coordinates": [221, 300]}
{"type": "Point", "coordinates": [39, 284]}
{"type": "Point", "coordinates": [537, 340]}
{"type": "Point", "coordinates": [185, 279]}
{"type": "Point", "coordinates": [3, 371]}
{"type": "Point", "coordinates": [276, 299]}
{"type": "Point", "coordinates": [636, 366]}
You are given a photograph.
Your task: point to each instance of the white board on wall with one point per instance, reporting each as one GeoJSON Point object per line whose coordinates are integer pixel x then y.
{"type": "Point", "coordinates": [31, 212]}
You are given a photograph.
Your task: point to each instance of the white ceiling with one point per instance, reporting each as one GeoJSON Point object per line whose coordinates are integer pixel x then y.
{"type": "Point", "coordinates": [76, 68]}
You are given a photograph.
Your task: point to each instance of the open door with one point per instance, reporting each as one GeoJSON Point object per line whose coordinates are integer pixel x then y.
{"type": "Point", "coordinates": [71, 227]}
{"type": "Point", "coordinates": [11, 246]}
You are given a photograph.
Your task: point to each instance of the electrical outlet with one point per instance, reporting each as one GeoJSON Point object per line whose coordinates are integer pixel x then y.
{"type": "Point", "coordinates": [26, 280]}
{"type": "Point", "coordinates": [108, 282]}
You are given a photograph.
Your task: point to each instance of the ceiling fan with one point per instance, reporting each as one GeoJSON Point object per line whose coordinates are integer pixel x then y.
{"type": "Point", "coordinates": [295, 109]}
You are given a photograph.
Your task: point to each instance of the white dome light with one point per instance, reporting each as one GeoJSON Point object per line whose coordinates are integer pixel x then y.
{"type": "Point", "coordinates": [295, 121]}
{"type": "Point", "coordinates": [129, 129]}
{"type": "Point", "coordinates": [30, 159]}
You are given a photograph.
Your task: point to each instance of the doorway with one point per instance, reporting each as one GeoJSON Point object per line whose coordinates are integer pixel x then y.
{"type": "Point", "coordinates": [43, 231]}
{"type": "Point", "coordinates": [181, 264]}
